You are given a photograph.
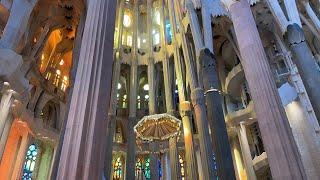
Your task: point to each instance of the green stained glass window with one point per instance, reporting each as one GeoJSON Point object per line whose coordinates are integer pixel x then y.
{"type": "Point", "coordinates": [147, 169]}
{"type": "Point", "coordinates": [117, 167]}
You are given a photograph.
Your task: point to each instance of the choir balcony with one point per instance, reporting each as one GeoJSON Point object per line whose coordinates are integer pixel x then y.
{"type": "Point", "coordinates": [244, 114]}
{"type": "Point", "coordinates": [234, 81]}
{"type": "Point", "coordinates": [260, 163]}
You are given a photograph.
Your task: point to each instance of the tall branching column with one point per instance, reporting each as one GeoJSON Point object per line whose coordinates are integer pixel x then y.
{"type": "Point", "coordinates": [151, 82]}
{"type": "Point", "coordinates": [198, 102]}
{"type": "Point", "coordinates": [275, 129]}
{"type": "Point", "coordinates": [131, 142]}
{"type": "Point", "coordinates": [17, 23]}
{"type": "Point", "coordinates": [82, 157]}
{"type": "Point", "coordinates": [113, 98]}
{"type": "Point", "coordinates": [185, 106]}
{"type": "Point", "coordinates": [219, 134]}
{"type": "Point", "coordinates": [246, 153]}
{"type": "Point", "coordinates": [173, 151]}
{"type": "Point", "coordinates": [303, 58]}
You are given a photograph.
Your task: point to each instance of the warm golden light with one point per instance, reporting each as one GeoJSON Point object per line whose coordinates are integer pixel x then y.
{"type": "Point", "coordinates": [126, 20]}
{"type": "Point", "coordinates": [58, 72]}
{"type": "Point", "coordinates": [61, 62]}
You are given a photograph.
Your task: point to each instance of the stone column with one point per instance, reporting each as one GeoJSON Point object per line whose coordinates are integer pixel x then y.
{"type": "Point", "coordinates": [275, 129]}
{"type": "Point", "coordinates": [237, 159]}
{"type": "Point", "coordinates": [196, 34]}
{"type": "Point", "coordinates": [113, 98]}
{"type": "Point", "coordinates": [219, 133]}
{"type": "Point", "coordinates": [185, 107]}
{"type": "Point", "coordinates": [314, 18]}
{"type": "Point", "coordinates": [174, 158]}
{"type": "Point", "coordinates": [17, 23]}
{"type": "Point", "coordinates": [5, 134]}
{"type": "Point", "coordinates": [306, 64]}
{"type": "Point", "coordinates": [198, 102]}
{"type": "Point", "coordinates": [154, 167]}
{"type": "Point", "coordinates": [131, 149]}
{"type": "Point", "coordinates": [206, 23]}
{"type": "Point", "coordinates": [111, 126]}
{"type": "Point", "coordinates": [20, 158]}
{"type": "Point", "coordinates": [246, 153]}
{"type": "Point", "coordinates": [5, 105]}
{"type": "Point", "coordinates": [131, 141]}
{"type": "Point", "coordinates": [151, 68]}
{"type": "Point", "coordinates": [75, 60]}
{"type": "Point", "coordinates": [82, 156]}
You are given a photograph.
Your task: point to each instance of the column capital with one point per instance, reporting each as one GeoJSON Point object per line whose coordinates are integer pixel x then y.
{"type": "Point", "coordinates": [185, 108]}
{"type": "Point", "coordinates": [228, 3]}
{"type": "Point", "coordinates": [294, 35]}
{"type": "Point", "coordinates": [197, 97]}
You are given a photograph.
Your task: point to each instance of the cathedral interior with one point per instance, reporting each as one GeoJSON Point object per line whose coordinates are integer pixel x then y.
{"type": "Point", "coordinates": [159, 89]}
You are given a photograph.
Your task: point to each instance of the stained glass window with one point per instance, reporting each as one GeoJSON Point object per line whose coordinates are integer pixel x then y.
{"type": "Point", "coordinates": [117, 166]}
{"type": "Point", "coordinates": [147, 168]}
{"type": "Point", "coordinates": [182, 170]}
{"type": "Point", "coordinates": [138, 166]}
{"type": "Point", "coordinates": [30, 162]}
{"type": "Point", "coordinates": [160, 169]}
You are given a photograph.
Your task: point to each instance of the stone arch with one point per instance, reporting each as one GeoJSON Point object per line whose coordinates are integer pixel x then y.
{"type": "Point", "coordinates": [50, 114]}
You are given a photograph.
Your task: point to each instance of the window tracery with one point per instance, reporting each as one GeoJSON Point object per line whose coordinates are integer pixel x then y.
{"type": "Point", "coordinates": [30, 162]}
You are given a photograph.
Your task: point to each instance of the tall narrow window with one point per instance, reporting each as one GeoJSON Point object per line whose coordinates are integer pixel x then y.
{"type": "Point", "coordinates": [117, 166]}
{"type": "Point", "coordinates": [182, 170]}
{"type": "Point", "coordinates": [30, 162]}
{"type": "Point", "coordinates": [147, 169]}
{"type": "Point", "coordinates": [138, 167]}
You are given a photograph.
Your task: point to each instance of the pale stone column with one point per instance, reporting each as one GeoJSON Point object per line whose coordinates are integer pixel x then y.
{"type": "Point", "coordinates": [303, 58]}
{"type": "Point", "coordinates": [237, 159]}
{"type": "Point", "coordinates": [216, 119]}
{"type": "Point", "coordinates": [314, 18]}
{"type": "Point", "coordinates": [196, 34]}
{"type": "Point", "coordinates": [206, 23]}
{"type": "Point", "coordinates": [17, 23]}
{"type": "Point", "coordinates": [275, 129]}
{"type": "Point", "coordinates": [151, 68]}
{"type": "Point", "coordinates": [198, 102]}
{"type": "Point", "coordinates": [5, 105]}
{"type": "Point", "coordinates": [20, 158]}
{"type": "Point", "coordinates": [174, 158]}
{"type": "Point", "coordinates": [81, 156]}
{"type": "Point", "coordinates": [111, 126]}
{"type": "Point", "coordinates": [131, 149]}
{"type": "Point", "coordinates": [246, 153]}
{"type": "Point", "coordinates": [185, 107]}
{"type": "Point", "coordinates": [113, 98]}
{"type": "Point", "coordinates": [75, 60]}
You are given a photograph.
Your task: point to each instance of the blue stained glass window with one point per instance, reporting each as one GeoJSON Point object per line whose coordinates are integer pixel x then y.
{"type": "Point", "coordinates": [169, 32]}
{"type": "Point", "coordinates": [160, 170]}
{"type": "Point", "coordinates": [30, 162]}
